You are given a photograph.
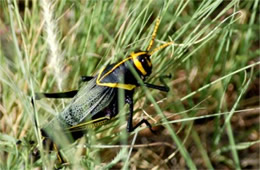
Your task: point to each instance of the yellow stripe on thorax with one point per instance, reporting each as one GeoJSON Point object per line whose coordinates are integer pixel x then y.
{"type": "Point", "coordinates": [133, 56]}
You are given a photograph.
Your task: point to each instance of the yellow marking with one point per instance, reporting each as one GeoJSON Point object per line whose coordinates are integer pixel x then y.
{"type": "Point", "coordinates": [90, 124]}
{"type": "Point", "coordinates": [154, 34]}
{"type": "Point", "coordinates": [118, 85]}
{"type": "Point", "coordinates": [161, 47]}
{"type": "Point", "coordinates": [100, 123]}
{"type": "Point", "coordinates": [94, 125]}
{"type": "Point", "coordinates": [135, 55]}
{"type": "Point", "coordinates": [138, 64]}
{"type": "Point", "coordinates": [153, 38]}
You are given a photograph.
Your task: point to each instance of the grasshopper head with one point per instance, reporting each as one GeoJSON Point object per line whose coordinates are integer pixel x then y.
{"type": "Point", "coordinates": [142, 63]}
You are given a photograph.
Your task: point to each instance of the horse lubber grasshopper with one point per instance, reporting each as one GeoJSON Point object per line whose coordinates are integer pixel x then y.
{"type": "Point", "coordinates": [97, 102]}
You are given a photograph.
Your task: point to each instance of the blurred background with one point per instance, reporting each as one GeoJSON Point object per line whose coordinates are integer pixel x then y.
{"type": "Point", "coordinates": [208, 120]}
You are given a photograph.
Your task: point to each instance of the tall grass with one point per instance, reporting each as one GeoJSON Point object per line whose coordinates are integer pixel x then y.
{"type": "Point", "coordinates": [208, 120]}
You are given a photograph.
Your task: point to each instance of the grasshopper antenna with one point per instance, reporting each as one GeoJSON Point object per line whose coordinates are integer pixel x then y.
{"type": "Point", "coordinates": [153, 38]}
{"type": "Point", "coordinates": [161, 47]}
{"type": "Point", "coordinates": [154, 34]}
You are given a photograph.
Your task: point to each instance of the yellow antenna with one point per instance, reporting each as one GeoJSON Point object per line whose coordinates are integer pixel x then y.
{"type": "Point", "coordinates": [161, 47]}
{"type": "Point", "coordinates": [154, 34]}
{"type": "Point", "coordinates": [153, 38]}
